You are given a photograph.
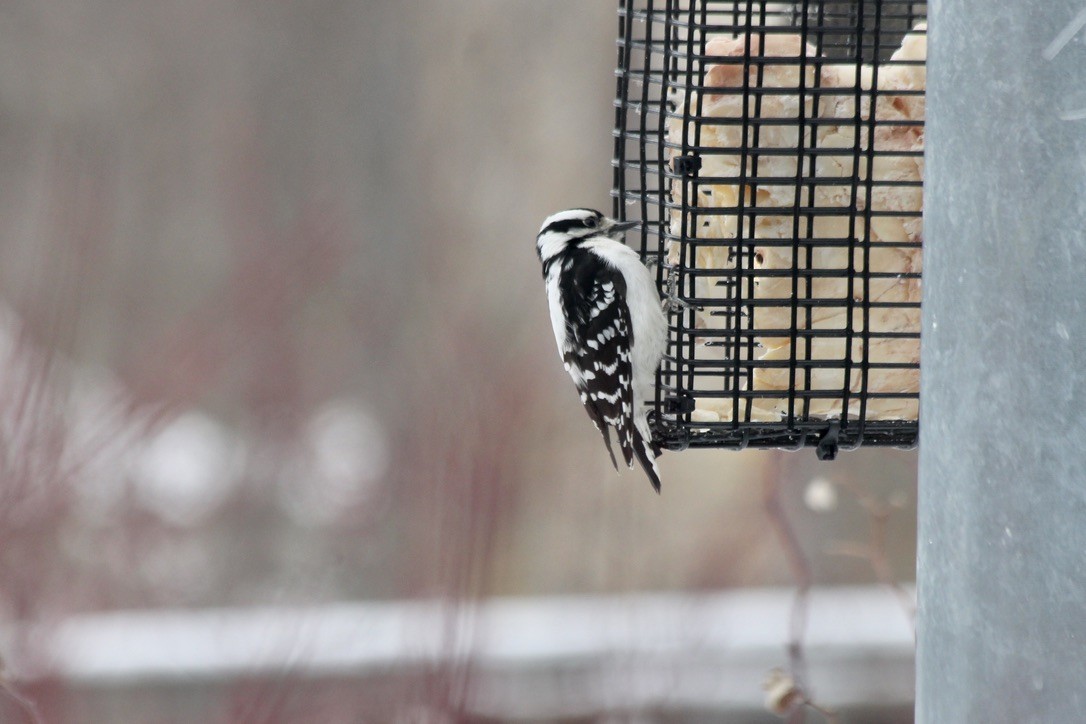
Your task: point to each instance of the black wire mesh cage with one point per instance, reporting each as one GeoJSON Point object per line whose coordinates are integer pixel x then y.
{"type": "Point", "coordinates": [774, 153]}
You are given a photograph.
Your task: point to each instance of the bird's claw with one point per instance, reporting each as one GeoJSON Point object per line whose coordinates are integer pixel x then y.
{"type": "Point", "coordinates": [674, 304]}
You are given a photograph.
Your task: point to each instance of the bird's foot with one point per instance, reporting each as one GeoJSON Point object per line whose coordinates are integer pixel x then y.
{"type": "Point", "coordinates": [674, 305]}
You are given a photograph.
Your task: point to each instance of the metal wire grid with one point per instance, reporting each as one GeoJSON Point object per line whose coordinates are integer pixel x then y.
{"type": "Point", "coordinates": [661, 82]}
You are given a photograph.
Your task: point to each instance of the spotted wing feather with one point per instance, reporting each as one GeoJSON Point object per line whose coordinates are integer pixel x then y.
{"type": "Point", "coordinates": [599, 358]}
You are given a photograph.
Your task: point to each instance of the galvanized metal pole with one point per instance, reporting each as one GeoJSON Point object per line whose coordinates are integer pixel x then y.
{"type": "Point", "coordinates": [1002, 554]}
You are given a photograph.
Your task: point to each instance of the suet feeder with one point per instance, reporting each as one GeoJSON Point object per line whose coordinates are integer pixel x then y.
{"type": "Point", "coordinates": [773, 152]}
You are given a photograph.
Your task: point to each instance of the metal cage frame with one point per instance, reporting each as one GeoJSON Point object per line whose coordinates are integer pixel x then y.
{"type": "Point", "coordinates": [662, 180]}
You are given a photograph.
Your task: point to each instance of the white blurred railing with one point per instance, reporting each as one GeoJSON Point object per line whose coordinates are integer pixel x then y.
{"type": "Point", "coordinates": [529, 657]}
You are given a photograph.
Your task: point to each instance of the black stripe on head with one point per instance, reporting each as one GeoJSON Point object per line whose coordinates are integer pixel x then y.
{"type": "Point", "coordinates": [574, 224]}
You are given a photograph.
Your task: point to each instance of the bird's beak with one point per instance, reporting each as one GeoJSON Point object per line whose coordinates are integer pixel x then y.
{"type": "Point", "coordinates": [617, 229]}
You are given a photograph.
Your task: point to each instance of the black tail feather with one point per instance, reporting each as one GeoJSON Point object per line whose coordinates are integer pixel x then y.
{"type": "Point", "coordinates": [646, 454]}
{"type": "Point", "coordinates": [607, 441]}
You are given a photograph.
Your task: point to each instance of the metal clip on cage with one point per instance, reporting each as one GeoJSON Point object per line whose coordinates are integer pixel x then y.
{"type": "Point", "coordinates": [774, 152]}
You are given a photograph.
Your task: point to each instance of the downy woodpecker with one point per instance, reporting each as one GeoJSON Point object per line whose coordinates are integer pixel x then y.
{"type": "Point", "coordinates": [609, 325]}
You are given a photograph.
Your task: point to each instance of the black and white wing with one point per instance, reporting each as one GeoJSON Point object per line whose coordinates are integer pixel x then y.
{"type": "Point", "coordinates": [598, 353]}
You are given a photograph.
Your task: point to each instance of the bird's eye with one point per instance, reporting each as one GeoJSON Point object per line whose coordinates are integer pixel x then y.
{"type": "Point", "coordinates": [591, 222]}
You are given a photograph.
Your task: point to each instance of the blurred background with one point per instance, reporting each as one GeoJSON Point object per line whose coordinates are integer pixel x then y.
{"type": "Point", "coordinates": [275, 345]}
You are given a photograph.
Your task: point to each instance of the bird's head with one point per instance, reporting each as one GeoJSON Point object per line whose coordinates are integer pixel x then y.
{"type": "Point", "coordinates": [569, 228]}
